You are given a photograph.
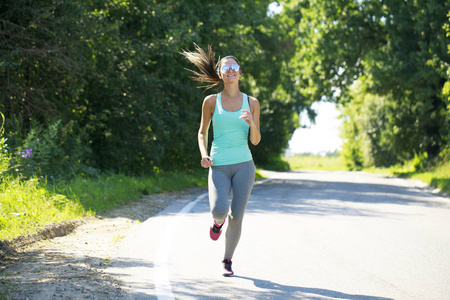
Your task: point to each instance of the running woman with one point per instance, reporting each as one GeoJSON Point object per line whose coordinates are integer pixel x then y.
{"type": "Point", "coordinates": [231, 169]}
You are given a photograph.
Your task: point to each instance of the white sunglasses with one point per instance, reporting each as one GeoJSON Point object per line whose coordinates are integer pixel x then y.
{"type": "Point", "coordinates": [228, 68]}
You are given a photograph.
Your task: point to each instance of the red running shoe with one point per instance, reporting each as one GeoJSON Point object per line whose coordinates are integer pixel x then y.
{"type": "Point", "coordinates": [215, 230]}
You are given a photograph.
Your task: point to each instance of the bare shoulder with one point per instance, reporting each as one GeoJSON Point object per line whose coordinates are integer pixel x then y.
{"type": "Point", "coordinates": [209, 102]}
{"type": "Point", "coordinates": [210, 99]}
{"type": "Point", "coordinates": [254, 103]}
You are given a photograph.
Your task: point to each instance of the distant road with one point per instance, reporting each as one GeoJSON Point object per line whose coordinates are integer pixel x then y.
{"type": "Point", "coordinates": [306, 235]}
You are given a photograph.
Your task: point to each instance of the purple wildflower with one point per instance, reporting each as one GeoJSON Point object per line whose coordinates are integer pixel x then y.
{"type": "Point", "coordinates": [27, 153]}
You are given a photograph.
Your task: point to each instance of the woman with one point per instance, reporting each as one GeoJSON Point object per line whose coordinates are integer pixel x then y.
{"type": "Point", "coordinates": [233, 114]}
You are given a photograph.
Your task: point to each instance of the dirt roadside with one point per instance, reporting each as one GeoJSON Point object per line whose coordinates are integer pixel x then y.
{"type": "Point", "coordinates": [72, 266]}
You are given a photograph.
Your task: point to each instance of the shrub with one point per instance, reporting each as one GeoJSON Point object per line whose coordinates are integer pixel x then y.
{"type": "Point", "coordinates": [55, 151]}
{"type": "Point", "coordinates": [4, 154]}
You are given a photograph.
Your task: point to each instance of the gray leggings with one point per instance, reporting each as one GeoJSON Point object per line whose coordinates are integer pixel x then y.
{"type": "Point", "coordinates": [238, 179]}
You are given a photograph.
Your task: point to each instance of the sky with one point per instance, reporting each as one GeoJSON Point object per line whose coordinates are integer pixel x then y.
{"type": "Point", "coordinates": [323, 136]}
{"type": "Point", "coordinates": [274, 8]}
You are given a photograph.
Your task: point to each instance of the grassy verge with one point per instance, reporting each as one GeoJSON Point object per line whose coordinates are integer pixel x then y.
{"type": "Point", "coordinates": [27, 205]}
{"type": "Point", "coordinates": [316, 162]}
{"type": "Point", "coordinates": [107, 191]}
{"type": "Point", "coordinates": [437, 176]}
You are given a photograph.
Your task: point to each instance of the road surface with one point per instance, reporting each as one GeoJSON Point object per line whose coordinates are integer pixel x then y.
{"type": "Point", "coordinates": [306, 235]}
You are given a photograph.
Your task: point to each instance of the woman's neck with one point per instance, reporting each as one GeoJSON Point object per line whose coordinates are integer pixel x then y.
{"type": "Point", "coordinates": [231, 91]}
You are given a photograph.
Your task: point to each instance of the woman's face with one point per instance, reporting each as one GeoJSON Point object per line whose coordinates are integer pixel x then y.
{"type": "Point", "coordinates": [229, 73]}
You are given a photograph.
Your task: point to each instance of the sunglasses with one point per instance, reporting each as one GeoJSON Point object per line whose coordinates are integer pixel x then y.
{"type": "Point", "coordinates": [227, 68]}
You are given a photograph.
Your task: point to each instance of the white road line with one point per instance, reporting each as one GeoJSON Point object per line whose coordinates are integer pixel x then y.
{"type": "Point", "coordinates": [161, 272]}
{"type": "Point", "coordinates": [263, 181]}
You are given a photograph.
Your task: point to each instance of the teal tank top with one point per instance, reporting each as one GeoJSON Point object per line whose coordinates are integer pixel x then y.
{"type": "Point", "coordinates": [230, 142]}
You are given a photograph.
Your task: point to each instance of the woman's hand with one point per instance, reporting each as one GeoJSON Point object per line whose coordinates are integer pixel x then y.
{"type": "Point", "coordinates": [247, 116]}
{"type": "Point", "coordinates": [206, 162]}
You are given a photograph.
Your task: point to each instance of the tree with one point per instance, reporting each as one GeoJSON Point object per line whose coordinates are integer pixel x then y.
{"type": "Point", "coordinates": [111, 72]}
{"type": "Point", "coordinates": [399, 46]}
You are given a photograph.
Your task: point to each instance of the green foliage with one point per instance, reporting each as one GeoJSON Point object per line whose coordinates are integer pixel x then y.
{"type": "Point", "coordinates": [53, 152]}
{"type": "Point", "coordinates": [368, 138]}
{"type": "Point", "coordinates": [109, 73]}
{"type": "Point", "coordinates": [276, 164]}
{"type": "Point", "coordinates": [113, 68]}
{"type": "Point", "coordinates": [446, 69]}
{"type": "Point", "coordinates": [398, 51]}
{"type": "Point", "coordinates": [5, 164]}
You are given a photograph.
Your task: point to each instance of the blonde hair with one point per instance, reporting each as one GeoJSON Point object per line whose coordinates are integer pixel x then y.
{"type": "Point", "coordinates": [206, 64]}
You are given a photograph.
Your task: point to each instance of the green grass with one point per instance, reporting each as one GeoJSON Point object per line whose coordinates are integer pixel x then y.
{"type": "Point", "coordinates": [107, 191]}
{"type": "Point", "coordinates": [258, 175]}
{"type": "Point", "coordinates": [437, 176]}
{"type": "Point", "coordinates": [316, 162]}
{"type": "Point", "coordinates": [27, 205]}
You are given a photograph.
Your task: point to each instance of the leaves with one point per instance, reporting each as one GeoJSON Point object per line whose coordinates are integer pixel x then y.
{"type": "Point", "coordinates": [398, 51]}
{"type": "Point", "coordinates": [113, 70]}
{"type": "Point", "coordinates": [111, 73]}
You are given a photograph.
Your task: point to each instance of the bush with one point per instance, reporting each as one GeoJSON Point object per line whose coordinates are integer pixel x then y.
{"type": "Point", "coordinates": [4, 154]}
{"type": "Point", "coordinates": [276, 163]}
{"type": "Point", "coordinates": [4, 157]}
{"type": "Point", "coordinates": [55, 151]}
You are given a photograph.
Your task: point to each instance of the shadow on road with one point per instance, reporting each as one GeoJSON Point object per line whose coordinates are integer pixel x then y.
{"type": "Point", "coordinates": [279, 291]}
{"type": "Point", "coordinates": [229, 289]}
{"type": "Point", "coordinates": [335, 197]}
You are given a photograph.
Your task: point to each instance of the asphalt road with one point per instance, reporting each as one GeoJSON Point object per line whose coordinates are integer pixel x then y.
{"type": "Point", "coordinates": [306, 235]}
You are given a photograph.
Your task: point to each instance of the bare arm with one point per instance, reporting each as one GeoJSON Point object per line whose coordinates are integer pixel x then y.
{"type": "Point", "coordinates": [207, 112]}
{"type": "Point", "coordinates": [252, 118]}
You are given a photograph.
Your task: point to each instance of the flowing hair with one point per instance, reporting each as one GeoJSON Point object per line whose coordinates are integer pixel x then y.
{"type": "Point", "coordinates": [206, 64]}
